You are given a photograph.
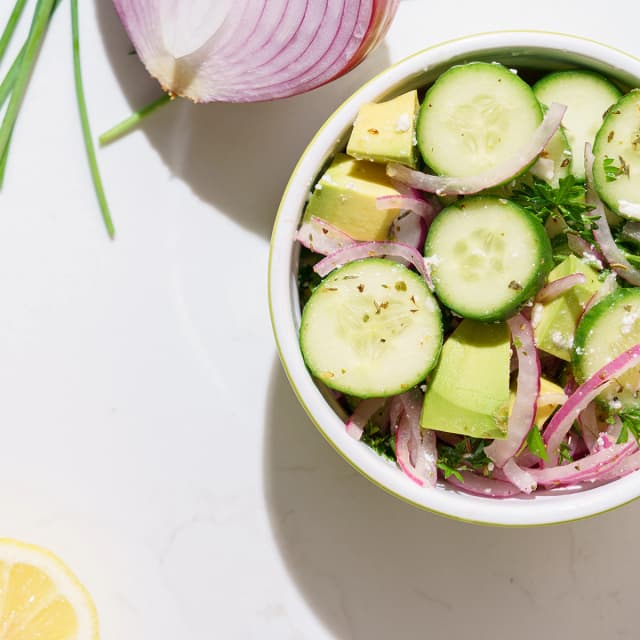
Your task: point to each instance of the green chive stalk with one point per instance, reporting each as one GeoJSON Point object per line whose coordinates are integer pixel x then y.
{"type": "Point", "coordinates": [6, 86]}
{"type": "Point", "coordinates": [31, 48]}
{"type": "Point", "coordinates": [132, 121]}
{"type": "Point", "coordinates": [7, 34]}
{"type": "Point", "coordinates": [84, 119]}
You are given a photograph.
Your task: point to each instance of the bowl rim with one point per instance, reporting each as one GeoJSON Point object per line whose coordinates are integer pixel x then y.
{"type": "Point", "coordinates": [511, 512]}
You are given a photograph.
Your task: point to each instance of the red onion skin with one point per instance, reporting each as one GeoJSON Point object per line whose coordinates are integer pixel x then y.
{"type": "Point", "coordinates": [362, 414]}
{"type": "Point", "coordinates": [559, 287]}
{"type": "Point", "coordinates": [481, 486]}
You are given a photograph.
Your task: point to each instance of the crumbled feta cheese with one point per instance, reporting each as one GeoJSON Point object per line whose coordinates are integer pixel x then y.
{"type": "Point", "coordinates": [564, 342]}
{"type": "Point", "coordinates": [615, 404]}
{"type": "Point", "coordinates": [627, 322]}
{"type": "Point", "coordinates": [591, 260]}
{"type": "Point", "coordinates": [404, 123]}
{"type": "Point", "coordinates": [536, 315]}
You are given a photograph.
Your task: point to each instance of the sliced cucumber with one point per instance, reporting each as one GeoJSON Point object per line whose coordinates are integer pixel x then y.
{"type": "Point", "coordinates": [616, 167]}
{"type": "Point", "coordinates": [474, 117]}
{"type": "Point", "coordinates": [371, 329]}
{"type": "Point", "coordinates": [609, 328]}
{"type": "Point", "coordinates": [488, 256]}
{"type": "Point", "coordinates": [587, 96]}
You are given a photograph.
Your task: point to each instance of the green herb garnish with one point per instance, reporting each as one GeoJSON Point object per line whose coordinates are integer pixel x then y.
{"type": "Point", "coordinates": [613, 172]}
{"type": "Point", "coordinates": [535, 443]}
{"type": "Point", "coordinates": [381, 442]}
{"type": "Point", "coordinates": [468, 454]}
{"type": "Point", "coordinates": [568, 200]}
{"type": "Point", "coordinates": [565, 453]}
{"type": "Point", "coordinates": [630, 425]}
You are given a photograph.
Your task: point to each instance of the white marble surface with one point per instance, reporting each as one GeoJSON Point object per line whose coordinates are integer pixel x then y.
{"type": "Point", "coordinates": [149, 436]}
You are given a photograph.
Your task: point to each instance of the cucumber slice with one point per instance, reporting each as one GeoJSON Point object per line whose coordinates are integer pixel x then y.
{"type": "Point", "coordinates": [474, 117]}
{"type": "Point", "coordinates": [587, 95]}
{"type": "Point", "coordinates": [371, 329]}
{"type": "Point", "coordinates": [616, 167]}
{"type": "Point", "coordinates": [488, 256]}
{"type": "Point", "coordinates": [610, 327]}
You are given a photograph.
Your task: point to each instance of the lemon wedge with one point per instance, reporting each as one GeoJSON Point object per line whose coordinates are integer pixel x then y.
{"type": "Point", "coordinates": [40, 598]}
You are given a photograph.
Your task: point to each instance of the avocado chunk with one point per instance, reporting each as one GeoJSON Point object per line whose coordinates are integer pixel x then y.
{"type": "Point", "coordinates": [555, 322]}
{"type": "Point", "coordinates": [469, 390]}
{"type": "Point", "coordinates": [386, 131]}
{"type": "Point", "coordinates": [345, 196]}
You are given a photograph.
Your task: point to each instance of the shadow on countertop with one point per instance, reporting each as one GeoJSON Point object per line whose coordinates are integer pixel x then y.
{"type": "Point", "coordinates": [238, 157]}
{"type": "Point", "coordinates": [372, 567]}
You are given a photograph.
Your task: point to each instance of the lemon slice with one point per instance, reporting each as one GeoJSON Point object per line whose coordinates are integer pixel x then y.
{"type": "Point", "coordinates": [40, 598]}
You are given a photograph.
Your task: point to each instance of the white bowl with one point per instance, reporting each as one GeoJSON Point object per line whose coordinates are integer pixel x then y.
{"type": "Point", "coordinates": [544, 51]}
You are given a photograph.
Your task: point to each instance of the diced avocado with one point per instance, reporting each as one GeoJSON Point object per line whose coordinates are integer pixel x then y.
{"type": "Point", "coordinates": [346, 196]}
{"type": "Point", "coordinates": [469, 391]}
{"type": "Point", "coordinates": [555, 322]}
{"type": "Point", "coordinates": [386, 131]}
{"type": "Point", "coordinates": [544, 411]}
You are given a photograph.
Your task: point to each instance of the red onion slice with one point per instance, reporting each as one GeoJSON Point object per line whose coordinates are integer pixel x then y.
{"type": "Point", "coordinates": [560, 286]}
{"type": "Point", "coordinates": [442, 185]}
{"type": "Point", "coordinates": [481, 486]}
{"type": "Point", "coordinates": [364, 411]}
{"type": "Point", "coordinates": [602, 232]}
{"type": "Point", "coordinates": [588, 423]}
{"type": "Point", "coordinates": [408, 203]}
{"type": "Point", "coordinates": [409, 229]}
{"type": "Point", "coordinates": [250, 50]}
{"type": "Point", "coordinates": [631, 231]}
{"type": "Point", "coordinates": [588, 469]}
{"type": "Point", "coordinates": [519, 477]}
{"type": "Point", "coordinates": [416, 451]}
{"type": "Point", "coordinates": [608, 286]}
{"type": "Point", "coordinates": [585, 250]}
{"type": "Point", "coordinates": [627, 465]}
{"type": "Point", "coordinates": [527, 390]}
{"type": "Point", "coordinates": [372, 250]}
{"type": "Point", "coordinates": [322, 237]}
{"type": "Point", "coordinates": [564, 418]}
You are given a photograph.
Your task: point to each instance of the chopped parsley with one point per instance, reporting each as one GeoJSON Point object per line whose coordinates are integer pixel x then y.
{"type": "Point", "coordinates": [613, 172]}
{"type": "Point", "coordinates": [568, 201]}
{"type": "Point", "coordinates": [630, 424]}
{"type": "Point", "coordinates": [565, 453]}
{"type": "Point", "coordinates": [380, 441]}
{"type": "Point", "coordinates": [468, 454]}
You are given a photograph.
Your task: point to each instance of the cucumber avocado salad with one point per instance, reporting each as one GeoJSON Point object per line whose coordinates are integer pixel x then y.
{"type": "Point", "coordinates": [470, 280]}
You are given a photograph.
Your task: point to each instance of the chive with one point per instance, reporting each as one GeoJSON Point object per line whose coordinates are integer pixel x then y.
{"type": "Point", "coordinates": [3, 160]}
{"type": "Point", "coordinates": [6, 86]}
{"type": "Point", "coordinates": [31, 48]}
{"type": "Point", "coordinates": [132, 121]}
{"type": "Point", "coordinates": [84, 119]}
{"type": "Point", "coordinates": [7, 34]}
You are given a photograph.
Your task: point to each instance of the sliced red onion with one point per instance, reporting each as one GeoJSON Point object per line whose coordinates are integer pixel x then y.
{"type": "Point", "coordinates": [443, 185]}
{"type": "Point", "coordinates": [588, 469]}
{"type": "Point", "coordinates": [627, 465]}
{"type": "Point", "coordinates": [602, 232]}
{"type": "Point", "coordinates": [364, 411]}
{"type": "Point", "coordinates": [410, 229]}
{"type": "Point", "coordinates": [558, 287]}
{"type": "Point", "coordinates": [372, 250]}
{"type": "Point", "coordinates": [481, 486]}
{"type": "Point", "coordinates": [416, 451]}
{"type": "Point", "coordinates": [527, 390]}
{"type": "Point", "coordinates": [588, 422]}
{"type": "Point", "coordinates": [519, 477]}
{"type": "Point", "coordinates": [585, 250]}
{"type": "Point", "coordinates": [322, 237]}
{"type": "Point", "coordinates": [564, 418]}
{"type": "Point", "coordinates": [250, 50]}
{"type": "Point", "coordinates": [412, 203]}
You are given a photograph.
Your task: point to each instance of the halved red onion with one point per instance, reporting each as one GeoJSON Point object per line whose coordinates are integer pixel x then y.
{"type": "Point", "coordinates": [585, 250]}
{"type": "Point", "coordinates": [482, 486]}
{"type": "Point", "coordinates": [364, 411]}
{"type": "Point", "coordinates": [442, 185]}
{"type": "Point", "coordinates": [322, 237]}
{"type": "Point", "coordinates": [372, 250]}
{"type": "Point", "coordinates": [558, 287]}
{"type": "Point", "coordinates": [416, 450]}
{"type": "Point", "coordinates": [591, 468]}
{"type": "Point", "coordinates": [527, 390]}
{"type": "Point", "coordinates": [519, 477]}
{"type": "Point", "coordinates": [250, 50]}
{"type": "Point", "coordinates": [602, 232]}
{"type": "Point", "coordinates": [564, 418]}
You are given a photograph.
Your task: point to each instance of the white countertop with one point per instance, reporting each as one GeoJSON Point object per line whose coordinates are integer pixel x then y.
{"type": "Point", "coordinates": [149, 436]}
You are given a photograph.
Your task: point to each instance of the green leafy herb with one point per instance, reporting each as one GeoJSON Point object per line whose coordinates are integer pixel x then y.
{"type": "Point", "coordinates": [535, 443]}
{"type": "Point", "coordinates": [308, 279]}
{"type": "Point", "coordinates": [565, 453]}
{"type": "Point", "coordinates": [468, 454]}
{"type": "Point", "coordinates": [630, 424]}
{"type": "Point", "coordinates": [380, 441]}
{"type": "Point", "coordinates": [613, 172]}
{"type": "Point", "coordinates": [568, 200]}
